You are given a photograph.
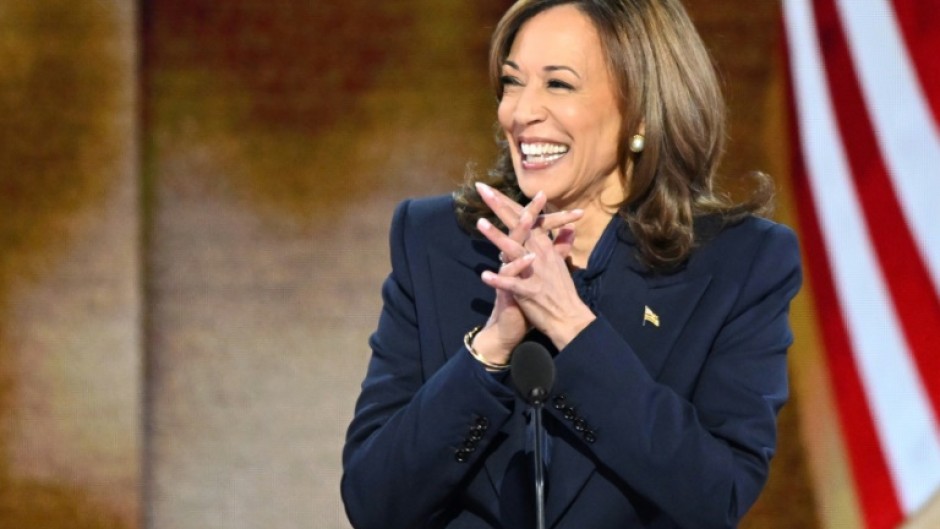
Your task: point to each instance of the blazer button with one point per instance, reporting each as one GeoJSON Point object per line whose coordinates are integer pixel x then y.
{"type": "Point", "coordinates": [476, 435]}
{"type": "Point", "coordinates": [482, 422]}
{"type": "Point", "coordinates": [570, 413]}
{"type": "Point", "coordinates": [462, 455]}
{"type": "Point", "coordinates": [580, 425]}
{"type": "Point", "coordinates": [589, 436]}
{"type": "Point", "coordinates": [560, 402]}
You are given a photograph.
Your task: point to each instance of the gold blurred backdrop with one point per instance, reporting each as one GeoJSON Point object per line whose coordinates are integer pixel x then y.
{"type": "Point", "coordinates": [70, 299]}
{"type": "Point", "coordinates": [194, 203]}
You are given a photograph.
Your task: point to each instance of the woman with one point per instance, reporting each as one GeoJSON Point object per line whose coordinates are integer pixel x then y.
{"type": "Point", "coordinates": [665, 305]}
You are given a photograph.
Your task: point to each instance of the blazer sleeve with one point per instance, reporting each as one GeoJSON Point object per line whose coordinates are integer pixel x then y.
{"type": "Point", "coordinates": [702, 461]}
{"type": "Point", "coordinates": [414, 438]}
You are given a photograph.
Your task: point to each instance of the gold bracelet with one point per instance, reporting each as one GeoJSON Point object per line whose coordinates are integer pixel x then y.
{"type": "Point", "coordinates": [468, 343]}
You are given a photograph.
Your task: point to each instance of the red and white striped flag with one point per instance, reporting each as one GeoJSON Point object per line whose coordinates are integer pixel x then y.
{"type": "Point", "coordinates": [865, 109]}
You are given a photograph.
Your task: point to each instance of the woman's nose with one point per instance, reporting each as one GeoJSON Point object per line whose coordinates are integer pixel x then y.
{"type": "Point", "coordinates": [530, 107]}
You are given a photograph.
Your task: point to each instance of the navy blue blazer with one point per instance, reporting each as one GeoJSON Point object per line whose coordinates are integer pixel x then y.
{"type": "Point", "coordinates": [651, 426]}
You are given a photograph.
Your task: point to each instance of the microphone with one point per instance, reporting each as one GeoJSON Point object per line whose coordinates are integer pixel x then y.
{"type": "Point", "coordinates": [533, 373]}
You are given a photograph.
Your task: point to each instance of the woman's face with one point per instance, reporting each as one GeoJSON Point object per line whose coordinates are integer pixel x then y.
{"type": "Point", "coordinates": [559, 111]}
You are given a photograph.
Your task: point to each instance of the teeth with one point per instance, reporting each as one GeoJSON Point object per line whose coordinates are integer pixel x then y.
{"type": "Point", "coordinates": [544, 158]}
{"type": "Point", "coordinates": [542, 149]}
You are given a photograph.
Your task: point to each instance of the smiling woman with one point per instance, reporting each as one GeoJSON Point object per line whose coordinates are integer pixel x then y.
{"type": "Point", "coordinates": [664, 91]}
{"type": "Point", "coordinates": [554, 109]}
{"type": "Point", "coordinates": [599, 236]}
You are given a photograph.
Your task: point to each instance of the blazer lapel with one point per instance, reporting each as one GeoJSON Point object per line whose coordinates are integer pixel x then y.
{"type": "Point", "coordinates": [651, 315]}
{"type": "Point", "coordinates": [649, 310]}
{"type": "Point", "coordinates": [455, 278]}
{"type": "Point", "coordinates": [628, 290]}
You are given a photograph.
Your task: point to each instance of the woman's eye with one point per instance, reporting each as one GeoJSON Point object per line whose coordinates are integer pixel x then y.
{"type": "Point", "coordinates": [509, 80]}
{"type": "Point", "coordinates": [555, 83]}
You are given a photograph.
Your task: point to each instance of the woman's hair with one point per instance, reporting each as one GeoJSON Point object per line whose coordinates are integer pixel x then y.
{"type": "Point", "coordinates": [666, 84]}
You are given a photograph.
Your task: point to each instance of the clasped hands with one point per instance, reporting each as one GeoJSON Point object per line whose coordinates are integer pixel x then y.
{"type": "Point", "coordinates": [533, 286]}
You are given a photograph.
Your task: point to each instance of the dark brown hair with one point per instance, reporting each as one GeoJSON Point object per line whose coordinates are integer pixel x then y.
{"type": "Point", "coordinates": [667, 84]}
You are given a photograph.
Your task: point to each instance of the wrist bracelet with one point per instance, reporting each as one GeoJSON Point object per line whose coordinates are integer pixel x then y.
{"type": "Point", "coordinates": [468, 343]}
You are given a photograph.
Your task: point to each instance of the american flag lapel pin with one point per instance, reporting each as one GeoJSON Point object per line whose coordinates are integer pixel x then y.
{"type": "Point", "coordinates": [650, 316]}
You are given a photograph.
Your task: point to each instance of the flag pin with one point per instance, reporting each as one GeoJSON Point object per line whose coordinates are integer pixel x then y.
{"type": "Point", "coordinates": [650, 316]}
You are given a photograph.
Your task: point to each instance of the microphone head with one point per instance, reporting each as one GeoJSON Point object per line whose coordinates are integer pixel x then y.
{"type": "Point", "coordinates": [533, 371]}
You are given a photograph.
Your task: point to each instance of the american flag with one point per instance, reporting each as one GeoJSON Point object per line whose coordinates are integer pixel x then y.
{"type": "Point", "coordinates": [865, 109]}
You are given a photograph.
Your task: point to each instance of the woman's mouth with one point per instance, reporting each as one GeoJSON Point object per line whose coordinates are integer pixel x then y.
{"type": "Point", "coordinates": [542, 154]}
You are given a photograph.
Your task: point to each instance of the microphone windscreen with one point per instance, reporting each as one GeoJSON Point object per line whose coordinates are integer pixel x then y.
{"type": "Point", "coordinates": [533, 371]}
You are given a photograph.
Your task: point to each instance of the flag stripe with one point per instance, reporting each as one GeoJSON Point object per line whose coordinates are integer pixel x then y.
{"type": "Point", "coordinates": [900, 111]}
{"type": "Point", "coordinates": [819, 152]}
{"type": "Point", "coordinates": [915, 460]}
{"type": "Point", "coordinates": [874, 338]}
{"type": "Point", "coordinates": [877, 499]}
{"type": "Point", "coordinates": [919, 21]}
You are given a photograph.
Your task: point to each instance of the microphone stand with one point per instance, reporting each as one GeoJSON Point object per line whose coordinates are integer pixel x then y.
{"type": "Point", "coordinates": [538, 396]}
{"type": "Point", "coordinates": [533, 373]}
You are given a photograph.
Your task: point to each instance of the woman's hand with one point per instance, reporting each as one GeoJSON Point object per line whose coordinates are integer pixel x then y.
{"type": "Point", "coordinates": [510, 213]}
{"type": "Point", "coordinates": [506, 325]}
{"type": "Point", "coordinates": [509, 321]}
{"type": "Point", "coordinates": [542, 288]}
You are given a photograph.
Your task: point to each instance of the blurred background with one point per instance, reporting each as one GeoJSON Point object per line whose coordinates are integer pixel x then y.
{"type": "Point", "coordinates": [194, 204]}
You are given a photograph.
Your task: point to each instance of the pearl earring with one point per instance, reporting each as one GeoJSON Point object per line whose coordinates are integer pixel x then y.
{"type": "Point", "coordinates": [637, 142]}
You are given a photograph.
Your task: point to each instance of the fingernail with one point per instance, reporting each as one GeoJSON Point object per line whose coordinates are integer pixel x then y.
{"type": "Point", "coordinates": [484, 224]}
{"type": "Point", "coordinates": [484, 189]}
{"type": "Point", "coordinates": [578, 211]}
{"type": "Point", "coordinates": [487, 275]}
